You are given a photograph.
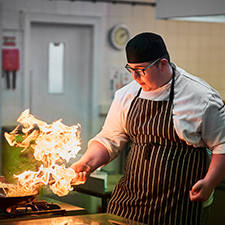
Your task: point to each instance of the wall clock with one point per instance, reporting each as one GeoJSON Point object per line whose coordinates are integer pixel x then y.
{"type": "Point", "coordinates": [119, 36]}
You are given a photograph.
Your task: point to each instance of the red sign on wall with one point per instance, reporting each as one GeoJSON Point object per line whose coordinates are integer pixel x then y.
{"type": "Point", "coordinates": [9, 41]}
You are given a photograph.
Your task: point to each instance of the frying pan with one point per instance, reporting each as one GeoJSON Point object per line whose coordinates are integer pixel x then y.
{"type": "Point", "coordinates": [6, 202]}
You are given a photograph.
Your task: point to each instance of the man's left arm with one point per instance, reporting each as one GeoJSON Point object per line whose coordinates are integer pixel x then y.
{"type": "Point", "coordinates": [213, 134]}
{"type": "Point", "coordinates": [203, 188]}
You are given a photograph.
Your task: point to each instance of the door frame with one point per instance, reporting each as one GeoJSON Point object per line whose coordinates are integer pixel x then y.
{"type": "Point", "coordinates": [1, 88]}
{"type": "Point", "coordinates": [96, 23]}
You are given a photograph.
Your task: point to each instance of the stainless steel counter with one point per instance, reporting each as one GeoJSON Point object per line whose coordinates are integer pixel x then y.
{"type": "Point", "coordinates": [91, 219]}
{"type": "Point", "coordinates": [95, 186]}
{"type": "Point", "coordinates": [70, 209]}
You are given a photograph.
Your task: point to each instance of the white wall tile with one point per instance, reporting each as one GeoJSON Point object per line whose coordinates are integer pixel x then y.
{"type": "Point", "coordinates": [196, 46]}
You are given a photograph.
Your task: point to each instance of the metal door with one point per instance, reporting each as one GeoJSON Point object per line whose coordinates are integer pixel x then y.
{"type": "Point", "coordinates": [74, 104]}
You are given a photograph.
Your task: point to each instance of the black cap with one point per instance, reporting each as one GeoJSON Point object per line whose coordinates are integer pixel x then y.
{"type": "Point", "coordinates": [145, 47]}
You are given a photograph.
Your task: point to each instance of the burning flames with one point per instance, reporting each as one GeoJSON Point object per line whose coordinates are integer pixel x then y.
{"type": "Point", "coordinates": [53, 145]}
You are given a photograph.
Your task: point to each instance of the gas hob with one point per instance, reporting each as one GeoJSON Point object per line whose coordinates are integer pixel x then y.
{"type": "Point", "coordinates": [40, 207]}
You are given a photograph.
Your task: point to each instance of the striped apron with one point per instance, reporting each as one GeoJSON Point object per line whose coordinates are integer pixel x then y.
{"type": "Point", "coordinates": [160, 168]}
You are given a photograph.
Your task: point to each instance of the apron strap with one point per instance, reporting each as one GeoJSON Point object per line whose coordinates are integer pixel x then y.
{"type": "Point", "coordinates": [139, 92]}
{"type": "Point", "coordinates": [172, 87]}
{"type": "Point", "coordinates": [171, 90]}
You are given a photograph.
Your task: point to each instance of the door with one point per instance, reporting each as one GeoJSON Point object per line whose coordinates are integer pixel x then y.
{"type": "Point", "coordinates": [73, 104]}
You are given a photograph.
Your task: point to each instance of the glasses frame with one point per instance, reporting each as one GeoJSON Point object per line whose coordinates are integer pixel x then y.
{"type": "Point", "coordinates": [131, 70]}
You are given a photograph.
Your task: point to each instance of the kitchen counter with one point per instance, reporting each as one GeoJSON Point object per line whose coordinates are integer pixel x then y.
{"type": "Point", "coordinates": [70, 209]}
{"type": "Point", "coordinates": [91, 219]}
{"type": "Point", "coordinates": [95, 187]}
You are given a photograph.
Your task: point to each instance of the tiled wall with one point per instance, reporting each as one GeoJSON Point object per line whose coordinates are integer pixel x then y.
{"type": "Point", "coordinates": [197, 47]}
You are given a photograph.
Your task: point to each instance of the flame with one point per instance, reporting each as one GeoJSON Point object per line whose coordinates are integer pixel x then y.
{"type": "Point", "coordinates": [61, 221]}
{"type": "Point", "coordinates": [74, 221]}
{"type": "Point", "coordinates": [53, 144]}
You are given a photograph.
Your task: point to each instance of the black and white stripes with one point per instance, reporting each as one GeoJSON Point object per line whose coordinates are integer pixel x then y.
{"type": "Point", "coordinates": [155, 189]}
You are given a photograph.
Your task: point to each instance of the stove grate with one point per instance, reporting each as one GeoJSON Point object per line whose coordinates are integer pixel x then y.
{"type": "Point", "coordinates": [35, 208]}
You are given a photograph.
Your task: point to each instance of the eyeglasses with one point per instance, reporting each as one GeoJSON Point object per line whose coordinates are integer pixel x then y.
{"type": "Point", "coordinates": [141, 72]}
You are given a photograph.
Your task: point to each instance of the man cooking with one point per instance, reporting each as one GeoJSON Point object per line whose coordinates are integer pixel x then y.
{"type": "Point", "coordinates": [169, 117]}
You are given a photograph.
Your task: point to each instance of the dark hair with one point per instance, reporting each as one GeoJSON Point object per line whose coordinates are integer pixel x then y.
{"type": "Point", "coordinates": [167, 57]}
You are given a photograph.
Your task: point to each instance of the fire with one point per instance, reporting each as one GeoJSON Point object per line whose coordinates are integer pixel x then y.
{"type": "Point", "coordinates": [54, 145]}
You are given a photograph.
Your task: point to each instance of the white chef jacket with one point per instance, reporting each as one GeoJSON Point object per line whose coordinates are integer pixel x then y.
{"type": "Point", "coordinates": [198, 113]}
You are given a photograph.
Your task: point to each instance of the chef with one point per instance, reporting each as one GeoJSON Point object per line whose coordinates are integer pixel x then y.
{"type": "Point", "coordinates": [171, 120]}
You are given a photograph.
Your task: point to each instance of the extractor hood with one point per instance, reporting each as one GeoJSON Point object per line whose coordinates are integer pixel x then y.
{"type": "Point", "coordinates": [191, 10]}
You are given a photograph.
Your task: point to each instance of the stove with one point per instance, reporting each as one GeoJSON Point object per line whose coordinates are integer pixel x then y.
{"type": "Point", "coordinates": [40, 207]}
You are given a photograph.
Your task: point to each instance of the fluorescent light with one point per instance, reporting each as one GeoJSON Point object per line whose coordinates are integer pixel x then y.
{"type": "Point", "coordinates": [212, 18]}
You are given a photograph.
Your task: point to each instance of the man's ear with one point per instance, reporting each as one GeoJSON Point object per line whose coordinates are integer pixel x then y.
{"type": "Point", "coordinates": [163, 64]}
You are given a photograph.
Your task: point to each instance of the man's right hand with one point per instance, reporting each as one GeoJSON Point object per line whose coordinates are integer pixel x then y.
{"type": "Point", "coordinates": [82, 173]}
{"type": "Point", "coordinates": [95, 156]}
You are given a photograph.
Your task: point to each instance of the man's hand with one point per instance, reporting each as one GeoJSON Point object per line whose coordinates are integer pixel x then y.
{"type": "Point", "coordinates": [95, 156]}
{"type": "Point", "coordinates": [201, 191]}
{"type": "Point", "coordinates": [216, 172]}
{"type": "Point", "coordinates": [82, 173]}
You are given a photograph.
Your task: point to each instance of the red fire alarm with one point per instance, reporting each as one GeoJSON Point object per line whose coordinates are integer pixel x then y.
{"type": "Point", "coordinates": [10, 59]}
{"type": "Point", "coordinates": [10, 63]}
